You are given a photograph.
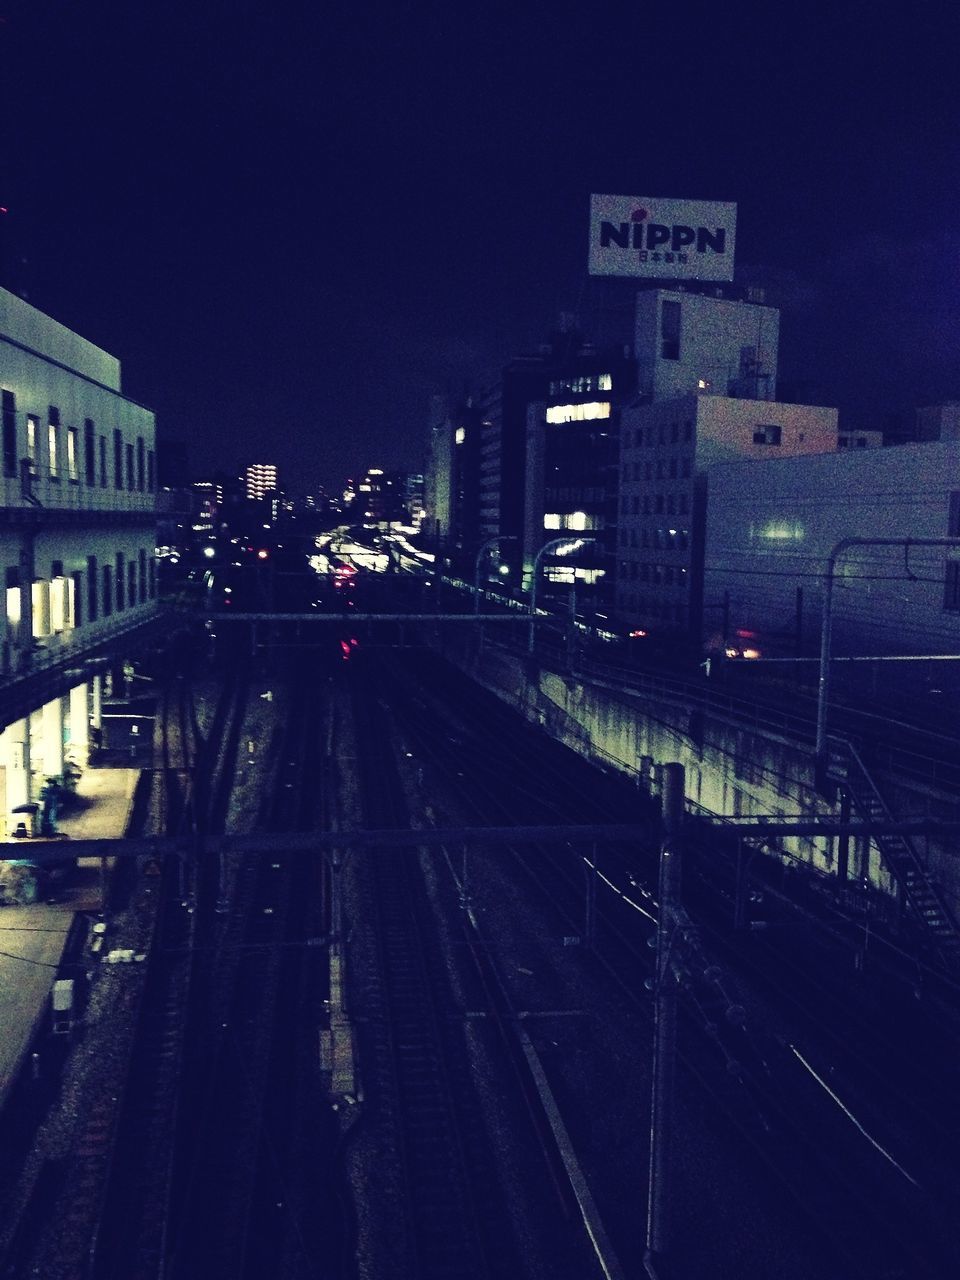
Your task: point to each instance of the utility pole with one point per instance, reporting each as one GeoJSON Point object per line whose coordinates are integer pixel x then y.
{"type": "Point", "coordinates": [665, 1023]}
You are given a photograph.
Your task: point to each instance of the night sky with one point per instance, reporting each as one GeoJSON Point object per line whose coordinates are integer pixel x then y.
{"type": "Point", "coordinates": [295, 222]}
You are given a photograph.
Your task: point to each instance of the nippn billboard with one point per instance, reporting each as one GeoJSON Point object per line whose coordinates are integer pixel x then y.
{"type": "Point", "coordinates": [662, 239]}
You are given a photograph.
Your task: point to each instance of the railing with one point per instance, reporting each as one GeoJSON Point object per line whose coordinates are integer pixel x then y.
{"type": "Point", "coordinates": [919, 890]}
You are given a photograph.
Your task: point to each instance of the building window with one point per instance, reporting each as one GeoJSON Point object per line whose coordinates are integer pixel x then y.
{"type": "Point", "coordinates": [132, 582]}
{"type": "Point", "coordinates": [142, 558]}
{"type": "Point", "coordinates": [92, 588]}
{"type": "Point", "coordinates": [558, 413]}
{"type": "Point", "coordinates": [129, 457]}
{"type": "Point", "coordinates": [9, 434]}
{"type": "Point", "coordinates": [53, 442]}
{"type": "Point", "coordinates": [141, 468]}
{"type": "Point", "coordinates": [121, 601]}
{"type": "Point", "coordinates": [103, 462]}
{"type": "Point", "coordinates": [53, 432]}
{"type": "Point", "coordinates": [89, 453]}
{"type": "Point", "coordinates": [670, 330]}
{"type": "Point", "coordinates": [117, 459]}
{"type": "Point", "coordinates": [72, 455]}
{"type": "Point", "coordinates": [151, 483]}
{"type": "Point", "coordinates": [767, 433]}
{"type": "Point", "coordinates": [76, 599]}
{"type": "Point", "coordinates": [107, 590]}
{"type": "Point", "coordinates": [33, 426]}
{"type": "Point", "coordinates": [951, 587]}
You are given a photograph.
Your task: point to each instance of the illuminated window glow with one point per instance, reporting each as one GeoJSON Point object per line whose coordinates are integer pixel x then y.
{"type": "Point", "coordinates": [58, 597]}
{"type": "Point", "coordinates": [578, 412]}
{"type": "Point", "coordinates": [578, 520]}
{"type": "Point", "coordinates": [72, 453]}
{"type": "Point", "coordinates": [52, 433]}
{"type": "Point", "coordinates": [460, 435]}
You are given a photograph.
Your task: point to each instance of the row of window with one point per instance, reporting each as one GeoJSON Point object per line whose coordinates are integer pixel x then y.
{"type": "Point", "coordinates": [663, 539]}
{"type": "Point", "coordinates": [57, 450]}
{"type": "Point", "coordinates": [655, 504]}
{"type": "Point", "coordinates": [98, 591]}
{"type": "Point", "coordinates": [662, 469]}
{"type": "Point", "coordinates": [660, 575]}
{"type": "Point", "coordinates": [654, 609]}
{"type": "Point", "coordinates": [638, 438]}
{"type": "Point", "coordinates": [581, 385]}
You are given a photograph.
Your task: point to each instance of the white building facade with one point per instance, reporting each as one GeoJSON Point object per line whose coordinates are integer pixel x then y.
{"type": "Point", "coordinates": [770, 531]}
{"type": "Point", "coordinates": [665, 449]}
{"type": "Point", "coordinates": [77, 538]}
{"type": "Point", "coordinates": [689, 341]}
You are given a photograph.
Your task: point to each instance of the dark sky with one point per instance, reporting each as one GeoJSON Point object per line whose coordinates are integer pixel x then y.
{"type": "Point", "coordinates": [294, 222]}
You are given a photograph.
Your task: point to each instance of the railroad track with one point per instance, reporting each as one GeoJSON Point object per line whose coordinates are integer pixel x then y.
{"type": "Point", "coordinates": [231, 1207]}
{"type": "Point", "coordinates": [860, 1204]}
{"type": "Point", "coordinates": [132, 1219]}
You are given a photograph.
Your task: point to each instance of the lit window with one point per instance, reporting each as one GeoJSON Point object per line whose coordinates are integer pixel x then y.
{"type": "Point", "coordinates": [767, 433]}
{"type": "Point", "coordinates": [58, 597]}
{"type": "Point", "coordinates": [32, 425]}
{"type": "Point", "coordinates": [52, 433]}
{"type": "Point", "coordinates": [13, 606]}
{"type": "Point", "coordinates": [576, 520]}
{"type": "Point", "coordinates": [578, 412]}
{"type": "Point", "coordinates": [72, 453]}
{"type": "Point", "coordinates": [460, 435]}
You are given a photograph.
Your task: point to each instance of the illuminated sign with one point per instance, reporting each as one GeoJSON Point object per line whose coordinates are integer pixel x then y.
{"type": "Point", "coordinates": [662, 239]}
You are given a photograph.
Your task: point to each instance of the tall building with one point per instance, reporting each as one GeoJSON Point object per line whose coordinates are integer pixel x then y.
{"type": "Point", "coordinates": [571, 476]}
{"type": "Point", "coordinates": [523, 422]}
{"type": "Point", "coordinates": [260, 481]}
{"type": "Point", "coordinates": [707, 363]}
{"type": "Point", "coordinates": [77, 548]}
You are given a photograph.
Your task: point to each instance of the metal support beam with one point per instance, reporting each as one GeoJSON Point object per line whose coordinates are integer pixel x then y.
{"type": "Point", "coordinates": [665, 1023]}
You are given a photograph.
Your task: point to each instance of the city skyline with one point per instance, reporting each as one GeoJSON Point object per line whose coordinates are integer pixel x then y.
{"type": "Point", "coordinates": [298, 227]}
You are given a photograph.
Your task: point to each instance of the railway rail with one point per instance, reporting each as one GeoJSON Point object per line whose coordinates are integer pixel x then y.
{"type": "Point", "coordinates": [863, 1208]}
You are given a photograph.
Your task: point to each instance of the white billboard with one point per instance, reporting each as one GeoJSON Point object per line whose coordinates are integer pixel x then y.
{"type": "Point", "coordinates": [662, 239]}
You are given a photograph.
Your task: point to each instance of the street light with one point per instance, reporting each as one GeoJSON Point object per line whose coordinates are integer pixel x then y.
{"type": "Point", "coordinates": [490, 542]}
{"type": "Point", "coordinates": [571, 544]}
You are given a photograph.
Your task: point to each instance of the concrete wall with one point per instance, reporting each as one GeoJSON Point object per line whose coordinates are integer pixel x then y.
{"type": "Point", "coordinates": [41, 333]}
{"type": "Point", "coordinates": [713, 332]}
{"type": "Point", "coordinates": [771, 529]}
{"type": "Point", "coordinates": [731, 770]}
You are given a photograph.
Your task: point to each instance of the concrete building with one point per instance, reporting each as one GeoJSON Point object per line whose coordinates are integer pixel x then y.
{"type": "Point", "coordinates": [939, 421]}
{"type": "Point", "coordinates": [571, 478]}
{"type": "Point", "coordinates": [770, 530]}
{"type": "Point", "coordinates": [77, 547]}
{"type": "Point", "coordinates": [522, 418]}
{"type": "Point", "coordinates": [665, 450]}
{"type": "Point", "coordinates": [721, 339]}
{"type": "Point", "coordinates": [859, 439]}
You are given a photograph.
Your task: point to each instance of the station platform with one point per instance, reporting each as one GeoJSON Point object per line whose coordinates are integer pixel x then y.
{"type": "Point", "coordinates": [32, 938]}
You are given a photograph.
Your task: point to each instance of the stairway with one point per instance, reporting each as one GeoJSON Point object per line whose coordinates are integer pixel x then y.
{"type": "Point", "coordinates": [920, 892]}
